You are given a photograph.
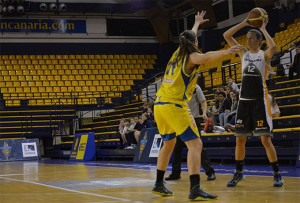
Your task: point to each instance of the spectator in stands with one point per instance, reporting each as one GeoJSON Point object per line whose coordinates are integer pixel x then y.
{"type": "Point", "coordinates": [137, 127]}
{"type": "Point", "coordinates": [211, 110]}
{"type": "Point", "coordinates": [222, 88]}
{"type": "Point", "coordinates": [295, 66]}
{"type": "Point", "coordinates": [141, 120]}
{"type": "Point", "coordinates": [224, 107]}
{"type": "Point", "coordinates": [215, 109]}
{"type": "Point", "coordinates": [216, 99]}
{"type": "Point", "coordinates": [230, 118]}
{"type": "Point", "coordinates": [145, 106]}
{"type": "Point", "coordinates": [126, 127]}
{"type": "Point", "coordinates": [274, 106]}
{"type": "Point", "coordinates": [131, 143]}
{"type": "Point", "coordinates": [132, 124]}
{"type": "Point", "coordinates": [150, 112]}
{"type": "Point", "coordinates": [197, 98]}
{"type": "Point", "coordinates": [227, 91]}
{"type": "Point", "coordinates": [232, 84]}
{"type": "Point", "coordinates": [123, 140]}
{"type": "Point", "coordinates": [147, 123]}
{"type": "Point", "coordinates": [217, 89]}
{"type": "Point", "coordinates": [234, 103]}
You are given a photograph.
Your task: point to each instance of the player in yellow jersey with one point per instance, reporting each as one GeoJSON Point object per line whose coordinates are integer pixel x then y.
{"type": "Point", "coordinates": [171, 112]}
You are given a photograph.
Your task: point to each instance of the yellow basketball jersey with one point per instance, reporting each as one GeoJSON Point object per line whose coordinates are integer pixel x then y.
{"type": "Point", "coordinates": [176, 83]}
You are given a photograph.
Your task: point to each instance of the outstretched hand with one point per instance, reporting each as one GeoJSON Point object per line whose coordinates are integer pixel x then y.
{"type": "Point", "coordinates": [199, 18]}
{"type": "Point", "coordinates": [234, 49]}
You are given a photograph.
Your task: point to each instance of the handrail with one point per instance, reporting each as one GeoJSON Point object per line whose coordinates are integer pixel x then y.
{"type": "Point", "coordinates": [281, 48]}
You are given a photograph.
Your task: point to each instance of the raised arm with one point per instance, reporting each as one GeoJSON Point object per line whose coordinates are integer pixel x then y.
{"type": "Point", "coordinates": [228, 36]}
{"type": "Point", "coordinates": [197, 58]}
{"type": "Point", "coordinates": [198, 21]}
{"type": "Point", "coordinates": [271, 44]}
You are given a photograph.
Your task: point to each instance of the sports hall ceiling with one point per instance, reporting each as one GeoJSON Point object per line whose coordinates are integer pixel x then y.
{"type": "Point", "coordinates": [111, 6]}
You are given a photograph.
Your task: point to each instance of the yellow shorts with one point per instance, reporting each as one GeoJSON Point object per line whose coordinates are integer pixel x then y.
{"type": "Point", "coordinates": [174, 118]}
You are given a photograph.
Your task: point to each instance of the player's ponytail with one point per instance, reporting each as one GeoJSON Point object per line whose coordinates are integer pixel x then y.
{"type": "Point", "coordinates": [186, 44]}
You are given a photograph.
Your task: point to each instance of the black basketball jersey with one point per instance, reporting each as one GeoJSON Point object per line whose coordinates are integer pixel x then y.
{"type": "Point", "coordinates": [254, 72]}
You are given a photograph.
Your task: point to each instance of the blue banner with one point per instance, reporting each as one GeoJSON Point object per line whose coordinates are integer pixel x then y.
{"type": "Point", "coordinates": [43, 25]}
{"type": "Point", "coordinates": [19, 149]}
{"type": "Point", "coordinates": [83, 147]}
{"type": "Point", "coordinates": [149, 146]}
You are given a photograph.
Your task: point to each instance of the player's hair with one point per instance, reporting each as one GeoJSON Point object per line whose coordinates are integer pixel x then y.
{"type": "Point", "coordinates": [257, 33]}
{"type": "Point", "coordinates": [186, 43]}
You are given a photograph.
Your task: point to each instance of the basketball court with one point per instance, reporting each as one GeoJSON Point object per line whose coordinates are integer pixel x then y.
{"type": "Point", "coordinates": [64, 181]}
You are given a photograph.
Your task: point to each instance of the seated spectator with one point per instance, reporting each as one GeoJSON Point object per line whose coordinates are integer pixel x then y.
{"type": "Point", "coordinates": [126, 126]}
{"type": "Point", "coordinates": [147, 123]}
{"type": "Point", "coordinates": [224, 108]}
{"type": "Point", "coordinates": [216, 99]}
{"type": "Point", "coordinates": [145, 107]}
{"type": "Point", "coordinates": [230, 118]}
{"type": "Point", "coordinates": [123, 140]}
{"type": "Point", "coordinates": [130, 134]}
{"type": "Point", "coordinates": [132, 124]}
{"type": "Point", "coordinates": [215, 109]}
{"type": "Point", "coordinates": [137, 127]}
{"type": "Point", "coordinates": [222, 88]}
{"type": "Point", "coordinates": [151, 113]}
{"type": "Point", "coordinates": [232, 84]}
{"type": "Point", "coordinates": [228, 89]}
{"type": "Point", "coordinates": [141, 120]}
{"type": "Point", "coordinates": [209, 125]}
{"type": "Point", "coordinates": [274, 106]}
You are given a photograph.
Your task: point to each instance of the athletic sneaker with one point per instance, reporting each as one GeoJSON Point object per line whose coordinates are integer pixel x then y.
{"type": "Point", "coordinates": [278, 181]}
{"type": "Point", "coordinates": [160, 189]}
{"type": "Point", "coordinates": [173, 177]}
{"type": "Point", "coordinates": [197, 193]}
{"type": "Point", "coordinates": [210, 177]}
{"type": "Point", "coordinates": [238, 176]}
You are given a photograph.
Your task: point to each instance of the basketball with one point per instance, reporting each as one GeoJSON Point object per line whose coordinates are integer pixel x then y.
{"type": "Point", "coordinates": [256, 17]}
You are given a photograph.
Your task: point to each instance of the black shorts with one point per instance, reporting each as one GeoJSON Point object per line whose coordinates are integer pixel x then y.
{"type": "Point", "coordinates": [253, 118]}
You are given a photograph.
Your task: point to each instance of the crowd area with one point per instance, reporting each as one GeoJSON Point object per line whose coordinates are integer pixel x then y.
{"type": "Point", "coordinates": [222, 109]}
{"type": "Point", "coordinates": [130, 129]}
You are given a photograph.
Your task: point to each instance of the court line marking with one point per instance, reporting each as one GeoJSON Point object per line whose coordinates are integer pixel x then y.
{"type": "Point", "coordinates": [20, 174]}
{"type": "Point", "coordinates": [69, 190]}
{"type": "Point", "coordinates": [169, 167]}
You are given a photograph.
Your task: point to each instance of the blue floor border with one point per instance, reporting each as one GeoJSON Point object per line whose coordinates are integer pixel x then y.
{"type": "Point", "coordinates": [256, 170]}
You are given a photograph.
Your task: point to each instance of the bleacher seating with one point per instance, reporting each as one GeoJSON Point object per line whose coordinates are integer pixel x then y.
{"type": "Point", "coordinates": [32, 123]}
{"type": "Point", "coordinates": [69, 79]}
{"type": "Point", "coordinates": [218, 145]}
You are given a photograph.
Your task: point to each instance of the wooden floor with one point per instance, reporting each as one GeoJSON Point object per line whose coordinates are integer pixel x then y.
{"type": "Point", "coordinates": [40, 182]}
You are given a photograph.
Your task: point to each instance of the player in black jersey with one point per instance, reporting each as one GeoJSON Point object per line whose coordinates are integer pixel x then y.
{"type": "Point", "coordinates": [253, 113]}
